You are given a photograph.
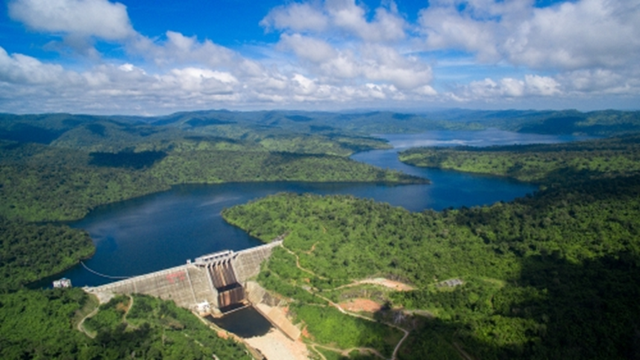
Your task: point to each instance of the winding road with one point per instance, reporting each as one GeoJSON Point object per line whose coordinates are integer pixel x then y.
{"type": "Point", "coordinates": [337, 306]}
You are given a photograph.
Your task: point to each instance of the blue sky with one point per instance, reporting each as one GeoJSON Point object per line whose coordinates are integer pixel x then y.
{"type": "Point", "coordinates": [157, 57]}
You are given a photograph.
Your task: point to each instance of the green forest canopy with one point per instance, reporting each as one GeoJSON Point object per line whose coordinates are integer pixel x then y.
{"type": "Point", "coordinates": [546, 276]}
{"type": "Point", "coordinates": [542, 163]}
{"type": "Point", "coordinates": [552, 275]}
{"type": "Point", "coordinates": [42, 325]}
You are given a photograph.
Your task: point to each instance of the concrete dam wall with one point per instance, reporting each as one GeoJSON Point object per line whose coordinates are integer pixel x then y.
{"type": "Point", "coordinates": [218, 279]}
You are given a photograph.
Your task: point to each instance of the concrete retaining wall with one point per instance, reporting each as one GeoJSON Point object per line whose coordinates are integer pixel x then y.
{"type": "Point", "coordinates": [246, 263]}
{"type": "Point", "coordinates": [189, 284]}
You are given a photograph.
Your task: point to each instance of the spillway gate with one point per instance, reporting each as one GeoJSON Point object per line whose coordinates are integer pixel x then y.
{"type": "Point", "coordinates": [216, 279]}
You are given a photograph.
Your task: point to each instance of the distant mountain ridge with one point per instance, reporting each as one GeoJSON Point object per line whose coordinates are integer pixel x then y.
{"type": "Point", "coordinates": [47, 128]}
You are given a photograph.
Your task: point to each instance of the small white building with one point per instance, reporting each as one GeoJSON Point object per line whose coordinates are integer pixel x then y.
{"type": "Point", "coordinates": [203, 308]}
{"type": "Point", "coordinates": [62, 283]}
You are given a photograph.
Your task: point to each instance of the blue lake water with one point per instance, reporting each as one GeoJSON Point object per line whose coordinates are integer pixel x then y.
{"type": "Point", "coordinates": [162, 230]}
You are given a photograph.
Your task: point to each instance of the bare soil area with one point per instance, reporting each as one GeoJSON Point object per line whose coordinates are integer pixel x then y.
{"type": "Point", "coordinates": [275, 345]}
{"type": "Point", "coordinates": [395, 285]}
{"type": "Point", "coordinates": [357, 305]}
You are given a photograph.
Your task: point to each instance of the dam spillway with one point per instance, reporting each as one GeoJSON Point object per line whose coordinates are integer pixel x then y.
{"type": "Point", "coordinates": [230, 292]}
{"type": "Point", "coordinates": [216, 280]}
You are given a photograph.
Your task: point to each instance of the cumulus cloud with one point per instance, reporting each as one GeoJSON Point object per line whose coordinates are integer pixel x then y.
{"type": "Point", "coordinates": [386, 25]}
{"type": "Point", "coordinates": [363, 63]}
{"type": "Point", "coordinates": [80, 18]}
{"type": "Point", "coordinates": [367, 53]}
{"type": "Point", "coordinates": [200, 81]}
{"type": "Point", "coordinates": [338, 16]}
{"type": "Point", "coordinates": [531, 85]}
{"type": "Point", "coordinates": [588, 33]}
{"type": "Point", "coordinates": [308, 48]}
{"type": "Point", "coordinates": [566, 36]}
{"type": "Point", "coordinates": [22, 69]}
{"type": "Point", "coordinates": [601, 82]}
{"type": "Point", "coordinates": [331, 54]}
{"type": "Point", "coordinates": [297, 17]}
{"type": "Point", "coordinates": [178, 48]}
{"type": "Point", "coordinates": [27, 83]}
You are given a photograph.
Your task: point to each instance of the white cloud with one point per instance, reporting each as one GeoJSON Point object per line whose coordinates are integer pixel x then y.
{"type": "Point", "coordinates": [588, 33]}
{"type": "Point", "coordinates": [426, 90]}
{"type": "Point", "coordinates": [126, 67]}
{"type": "Point", "coordinates": [445, 28]}
{"type": "Point", "coordinates": [601, 82]}
{"type": "Point", "coordinates": [361, 63]}
{"type": "Point", "coordinates": [297, 17]}
{"type": "Point", "coordinates": [333, 53]}
{"type": "Point", "coordinates": [22, 69]}
{"type": "Point", "coordinates": [27, 83]}
{"type": "Point", "coordinates": [346, 15]}
{"type": "Point", "coordinates": [308, 48]}
{"type": "Point", "coordinates": [82, 18]}
{"type": "Point", "coordinates": [202, 81]}
{"type": "Point", "coordinates": [346, 46]}
{"type": "Point", "coordinates": [541, 85]}
{"type": "Point", "coordinates": [570, 35]}
{"type": "Point", "coordinates": [531, 85]}
{"type": "Point", "coordinates": [178, 48]}
{"type": "Point", "coordinates": [304, 84]}
{"type": "Point", "coordinates": [334, 16]}
{"type": "Point", "coordinates": [387, 64]}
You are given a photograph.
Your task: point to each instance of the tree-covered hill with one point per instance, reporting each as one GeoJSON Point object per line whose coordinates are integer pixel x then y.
{"type": "Point", "coordinates": [118, 133]}
{"type": "Point", "coordinates": [46, 325]}
{"type": "Point", "coordinates": [292, 129]}
{"type": "Point", "coordinates": [543, 163]}
{"type": "Point", "coordinates": [547, 276]}
{"type": "Point", "coordinates": [29, 252]}
{"type": "Point", "coordinates": [59, 167]}
{"type": "Point", "coordinates": [44, 183]}
{"type": "Point", "coordinates": [553, 275]}
{"type": "Point", "coordinates": [601, 123]}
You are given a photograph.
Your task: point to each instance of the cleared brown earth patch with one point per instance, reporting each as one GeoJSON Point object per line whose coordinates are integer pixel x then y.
{"type": "Point", "coordinates": [396, 285]}
{"type": "Point", "coordinates": [358, 305]}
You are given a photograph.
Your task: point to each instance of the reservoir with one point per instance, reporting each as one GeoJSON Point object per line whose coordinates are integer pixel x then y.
{"type": "Point", "coordinates": [162, 230]}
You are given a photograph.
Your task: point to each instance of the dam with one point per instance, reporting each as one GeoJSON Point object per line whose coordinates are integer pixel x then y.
{"type": "Point", "coordinates": [213, 284]}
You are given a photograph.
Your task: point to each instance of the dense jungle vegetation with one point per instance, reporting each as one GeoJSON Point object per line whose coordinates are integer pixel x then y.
{"type": "Point", "coordinates": [553, 275]}
{"type": "Point", "coordinates": [548, 276]}
{"type": "Point", "coordinates": [59, 167]}
{"type": "Point", "coordinates": [543, 163]}
{"type": "Point", "coordinates": [44, 183]}
{"type": "Point", "coordinates": [336, 133]}
{"type": "Point", "coordinates": [44, 325]}
{"type": "Point", "coordinates": [226, 123]}
{"type": "Point", "coordinates": [29, 251]}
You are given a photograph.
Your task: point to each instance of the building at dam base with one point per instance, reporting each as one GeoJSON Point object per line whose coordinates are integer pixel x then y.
{"type": "Point", "coordinates": [214, 283]}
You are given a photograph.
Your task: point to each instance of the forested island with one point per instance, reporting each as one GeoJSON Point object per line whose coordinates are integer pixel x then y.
{"type": "Point", "coordinates": [551, 275]}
